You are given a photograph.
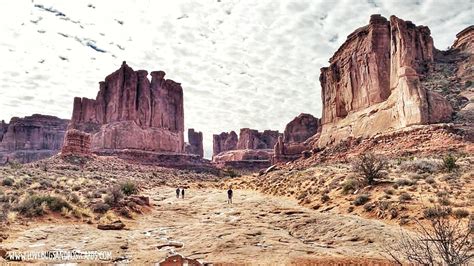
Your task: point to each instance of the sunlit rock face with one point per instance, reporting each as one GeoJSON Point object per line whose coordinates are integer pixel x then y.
{"type": "Point", "coordinates": [373, 82]}
{"type": "Point", "coordinates": [31, 138]}
{"type": "Point", "coordinates": [131, 112]}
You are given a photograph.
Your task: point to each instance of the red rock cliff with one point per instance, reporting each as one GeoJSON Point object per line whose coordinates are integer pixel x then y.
{"type": "Point", "coordinates": [372, 84]}
{"type": "Point", "coordinates": [130, 112]}
{"type": "Point", "coordinates": [31, 138]}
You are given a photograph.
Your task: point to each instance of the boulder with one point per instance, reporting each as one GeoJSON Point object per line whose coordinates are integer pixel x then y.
{"type": "Point", "coordinates": [115, 225]}
{"type": "Point", "coordinates": [76, 143]}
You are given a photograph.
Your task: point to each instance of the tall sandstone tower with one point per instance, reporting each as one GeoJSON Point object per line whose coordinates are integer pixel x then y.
{"type": "Point", "coordinates": [130, 112]}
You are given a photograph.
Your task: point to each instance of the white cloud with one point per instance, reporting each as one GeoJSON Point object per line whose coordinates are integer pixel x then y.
{"type": "Point", "coordinates": [241, 63]}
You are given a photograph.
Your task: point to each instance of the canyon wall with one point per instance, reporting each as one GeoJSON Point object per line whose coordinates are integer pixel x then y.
{"type": "Point", "coordinates": [373, 82]}
{"type": "Point", "coordinates": [130, 112]}
{"type": "Point", "coordinates": [31, 138]}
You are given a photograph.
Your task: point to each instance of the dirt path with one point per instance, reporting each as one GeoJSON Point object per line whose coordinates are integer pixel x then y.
{"type": "Point", "coordinates": [256, 228]}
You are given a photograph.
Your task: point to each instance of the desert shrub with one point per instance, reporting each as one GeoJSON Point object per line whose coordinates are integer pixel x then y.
{"type": "Point", "coordinates": [15, 165]}
{"type": "Point", "coordinates": [449, 163]}
{"type": "Point", "coordinates": [74, 198]}
{"type": "Point", "coordinates": [368, 207]}
{"type": "Point", "coordinates": [76, 188]}
{"type": "Point", "coordinates": [361, 199]}
{"type": "Point", "coordinates": [404, 197]}
{"type": "Point", "coordinates": [7, 182]}
{"type": "Point", "coordinates": [45, 183]}
{"type": "Point", "coordinates": [441, 242]}
{"type": "Point", "coordinates": [231, 173]}
{"type": "Point", "coordinates": [384, 205]}
{"type": "Point", "coordinates": [350, 185]}
{"type": "Point", "coordinates": [325, 198]}
{"type": "Point", "coordinates": [389, 191]}
{"type": "Point", "coordinates": [420, 166]}
{"type": "Point", "coordinates": [33, 205]}
{"type": "Point", "coordinates": [370, 167]}
{"type": "Point", "coordinates": [114, 196]}
{"type": "Point", "coordinates": [460, 213]}
{"type": "Point", "coordinates": [436, 211]}
{"type": "Point", "coordinates": [404, 182]}
{"type": "Point", "coordinates": [444, 201]}
{"type": "Point", "coordinates": [129, 188]}
{"type": "Point", "coordinates": [430, 180]}
{"type": "Point", "coordinates": [100, 207]}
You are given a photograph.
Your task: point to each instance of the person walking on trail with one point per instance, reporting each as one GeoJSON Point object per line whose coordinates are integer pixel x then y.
{"type": "Point", "coordinates": [177, 193]}
{"type": "Point", "coordinates": [229, 195]}
{"type": "Point", "coordinates": [182, 193]}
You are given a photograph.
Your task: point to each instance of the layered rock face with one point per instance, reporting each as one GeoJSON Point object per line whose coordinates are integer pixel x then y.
{"type": "Point", "coordinates": [130, 112]}
{"type": "Point", "coordinates": [31, 138]}
{"type": "Point", "coordinates": [252, 149]}
{"type": "Point", "coordinates": [224, 142]}
{"type": "Point", "coordinates": [294, 140]}
{"type": "Point", "coordinates": [194, 145]}
{"type": "Point", "coordinates": [373, 82]}
{"type": "Point", "coordinates": [76, 143]}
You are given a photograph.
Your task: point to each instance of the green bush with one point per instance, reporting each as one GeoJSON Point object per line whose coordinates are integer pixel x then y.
{"type": "Point", "coordinates": [361, 199]}
{"type": "Point", "coordinates": [449, 163]}
{"type": "Point", "coordinates": [436, 212]}
{"type": "Point", "coordinates": [460, 213]}
{"type": "Point", "coordinates": [128, 188]}
{"type": "Point", "coordinates": [405, 197]}
{"type": "Point", "coordinates": [33, 205]}
{"type": "Point", "coordinates": [8, 182]}
{"type": "Point", "coordinates": [349, 185]}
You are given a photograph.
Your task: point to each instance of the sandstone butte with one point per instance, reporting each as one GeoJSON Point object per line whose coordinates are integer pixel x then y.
{"type": "Point", "coordinates": [252, 149]}
{"type": "Point", "coordinates": [372, 84]}
{"type": "Point", "coordinates": [131, 113]}
{"type": "Point", "coordinates": [31, 138]}
{"type": "Point", "coordinates": [296, 138]}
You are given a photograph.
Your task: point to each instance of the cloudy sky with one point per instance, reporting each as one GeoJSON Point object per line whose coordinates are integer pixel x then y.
{"type": "Point", "coordinates": [241, 63]}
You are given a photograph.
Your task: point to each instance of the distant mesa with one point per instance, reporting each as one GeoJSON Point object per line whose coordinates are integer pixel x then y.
{"type": "Point", "coordinates": [31, 138]}
{"type": "Point", "coordinates": [251, 150]}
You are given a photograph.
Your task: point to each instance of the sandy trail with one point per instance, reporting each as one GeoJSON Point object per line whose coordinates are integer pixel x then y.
{"type": "Point", "coordinates": [255, 228]}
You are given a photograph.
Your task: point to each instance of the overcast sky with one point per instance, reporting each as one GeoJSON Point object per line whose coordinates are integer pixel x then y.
{"type": "Point", "coordinates": [241, 63]}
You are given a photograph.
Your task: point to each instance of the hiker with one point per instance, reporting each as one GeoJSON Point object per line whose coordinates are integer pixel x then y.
{"type": "Point", "coordinates": [182, 193]}
{"type": "Point", "coordinates": [229, 195]}
{"type": "Point", "coordinates": [177, 193]}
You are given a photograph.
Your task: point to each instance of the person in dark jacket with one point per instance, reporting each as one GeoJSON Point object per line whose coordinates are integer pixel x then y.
{"type": "Point", "coordinates": [229, 195]}
{"type": "Point", "coordinates": [177, 193]}
{"type": "Point", "coordinates": [182, 193]}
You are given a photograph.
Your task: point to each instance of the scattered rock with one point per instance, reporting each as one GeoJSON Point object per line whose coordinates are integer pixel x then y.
{"type": "Point", "coordinates": [115, 225]}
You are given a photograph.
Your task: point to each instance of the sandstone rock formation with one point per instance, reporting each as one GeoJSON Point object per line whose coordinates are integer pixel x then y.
{"type": "Point", "coordinates": [76, 143]}
{"type": "Point", "coordinates": [251, 150]}
{"type": "Point", "coordinates": [130, 112]}
{"type": "Point", "coordinates": [224, 142]}
{"type": "Point", "coordinates": [194, 145]}
{"type": "Point", "coordinates": [31, 138]}
{"type": "Point", "coordinates": [373, 82]}
{"type": "Point", "coordinates": [294, 140]}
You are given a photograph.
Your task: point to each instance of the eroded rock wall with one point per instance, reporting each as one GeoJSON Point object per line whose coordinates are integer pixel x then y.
{"type": "Point", "coordinates": [131, 112]}
{"type": "Point", "coordinates": [31, 138]}
{"type": "Point", "coordinates": [373, 82]}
